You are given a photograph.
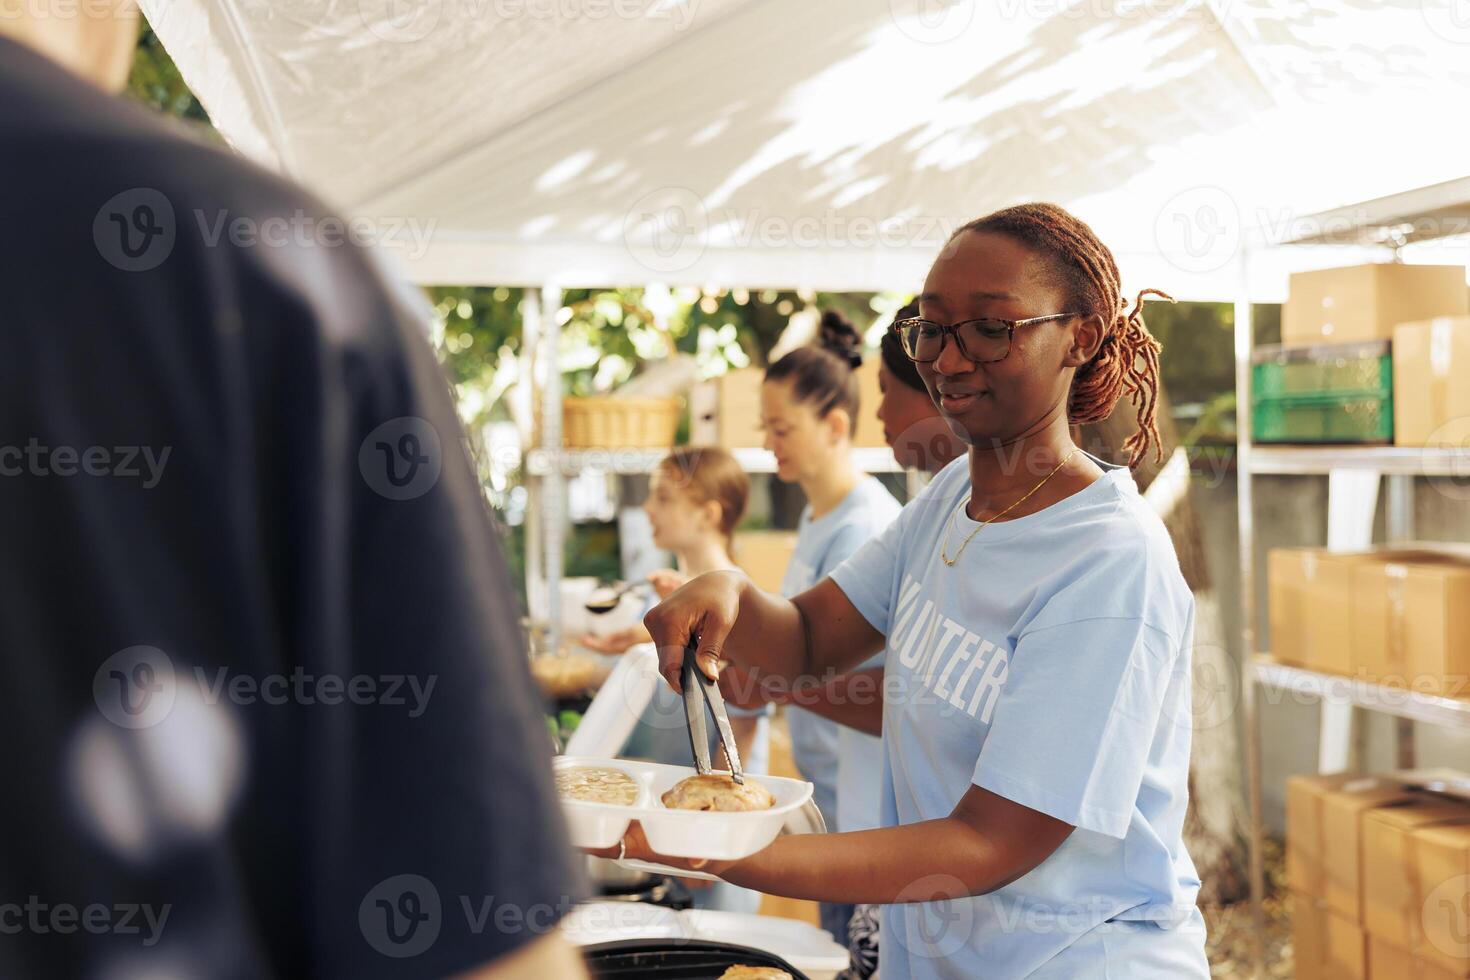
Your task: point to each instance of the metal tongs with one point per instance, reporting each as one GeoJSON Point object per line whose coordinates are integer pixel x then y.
{"type": "Point", "coordinates": [700, 691]}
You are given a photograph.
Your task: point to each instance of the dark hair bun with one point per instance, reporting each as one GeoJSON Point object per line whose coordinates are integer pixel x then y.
{"type": "Point", "coordinates": [839, 336]}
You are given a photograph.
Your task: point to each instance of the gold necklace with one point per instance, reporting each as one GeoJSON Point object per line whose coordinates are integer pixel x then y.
{"type": "Point", "coordinates": [944, 541]}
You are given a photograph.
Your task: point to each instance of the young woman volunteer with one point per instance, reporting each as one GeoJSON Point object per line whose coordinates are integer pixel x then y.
{"type": "Point", "coordinates": [809, 410]}
{"type": "Point", "coordinates": [1036, 721]}
{"type": "Point", "coordinates": [696, 496]}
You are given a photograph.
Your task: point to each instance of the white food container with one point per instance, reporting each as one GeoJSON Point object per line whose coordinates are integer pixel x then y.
{"type": "Point", "coordinates": [705, 834]}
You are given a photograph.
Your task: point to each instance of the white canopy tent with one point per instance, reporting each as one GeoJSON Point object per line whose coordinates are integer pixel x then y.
{"type": "Point", "coordinates": [832, 143]}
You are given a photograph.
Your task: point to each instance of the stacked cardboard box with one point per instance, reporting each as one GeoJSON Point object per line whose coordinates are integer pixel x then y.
{"type": "Point", "coordinates": [1416, 889]}
{"type": "Point", "coordinates": [1431, 383]}
{"type": "Point", "coordinates": [1424, 310]}
{"type": "Point", "coordinates": [726, 411]}
{"type": "Point", "coordinates": [1324, 818]}
{"type": "Point", "coordinates": [1400, 618]}
{"type": "Point", "coordinates": [1380, 880]}
{"type": "Point", "coordinates": [1366, 302]}
{"type": "Point", "coordinates": [1309, 608]}
{"type": "Point", "coordinates": [764, 555]}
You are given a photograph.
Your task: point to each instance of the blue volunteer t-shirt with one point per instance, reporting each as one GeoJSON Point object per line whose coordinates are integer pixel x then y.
{"type": "Point", "coordinates": [1050, 666]}
{"type": "Point", "coordinates": [844, 765]}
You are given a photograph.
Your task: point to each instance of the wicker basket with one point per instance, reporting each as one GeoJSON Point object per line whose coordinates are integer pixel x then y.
{"type": "Point", "coordinates": [620, 423]}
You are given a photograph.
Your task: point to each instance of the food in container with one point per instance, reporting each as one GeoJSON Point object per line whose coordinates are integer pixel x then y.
{"type": "Point", "coordinates": [717, 791]}
{"type": "Point", "coordinates": [567, 675]}
{"type": "Point", "coordinates": [716, 835]}
{"type": "Point", "coordinates": [597, 784]}
{"type": "Point", "coordinates": [754, 973]}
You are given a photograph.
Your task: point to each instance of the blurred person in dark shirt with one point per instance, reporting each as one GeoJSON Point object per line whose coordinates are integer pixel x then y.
{"type": "Point", "coordinates": [265, 709]}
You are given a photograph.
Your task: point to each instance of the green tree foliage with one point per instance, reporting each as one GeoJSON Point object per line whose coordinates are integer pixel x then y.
{"type": "Point", "coordinates": [156, 82]}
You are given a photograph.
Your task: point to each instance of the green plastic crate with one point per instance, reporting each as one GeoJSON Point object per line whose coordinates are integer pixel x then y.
{"type": "Point", "coordinates": [1340, 369]}
{"type": "Point", "coordinates": [1362, 418]}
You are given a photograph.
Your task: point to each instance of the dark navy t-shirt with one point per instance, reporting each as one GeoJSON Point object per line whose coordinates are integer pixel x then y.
{"type": "Point", "coordinates": [264, 706]}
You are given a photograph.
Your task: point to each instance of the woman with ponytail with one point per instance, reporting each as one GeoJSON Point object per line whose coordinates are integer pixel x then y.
{"type": "Point", "coordinates": [1036, 714]}
{"type": "Point", "coordinates": [809, 411]}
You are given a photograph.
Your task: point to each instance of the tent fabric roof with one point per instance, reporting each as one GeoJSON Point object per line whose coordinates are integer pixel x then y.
{"type": "Point", "coordinates": [829, 143]}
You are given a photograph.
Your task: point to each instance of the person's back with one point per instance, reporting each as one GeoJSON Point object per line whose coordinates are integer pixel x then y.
{"type": "Point", "coordinates": [265, 711]}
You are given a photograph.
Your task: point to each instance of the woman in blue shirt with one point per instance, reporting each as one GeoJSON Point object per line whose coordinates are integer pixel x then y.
{"type": "Point", "coordinates": [809, 412]}
{"type": "Point", "coordinates": [1036, 712]}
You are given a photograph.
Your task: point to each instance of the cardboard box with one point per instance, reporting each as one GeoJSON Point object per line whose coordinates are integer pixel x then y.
{"type": "Point", "coordinates": [1411, 622]}
{"type": "Point", "coordinates": [725, 411]}
{"type": "Point", "coordinates": [1392, 894]}
{"type": "Point", "coordinates": [1389, 962]}
{"type": "Point", "coordinates": [1442, 880]}
{"type": "Point", "coordinates": [1328, 946]}
{"type": "Point", "coordinates": [1310, 607]}
{"type": "Point", "coordinates": [764, 556]}
{"type": "Point", "coordinates": [1324, 834]}
{"type": "Point", "coordinates": [1431, 383]}
{"type": "Point", "coordinates": [1366, 302]}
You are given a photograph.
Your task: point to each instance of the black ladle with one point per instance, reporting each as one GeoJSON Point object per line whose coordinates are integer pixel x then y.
{"type": "Point", "coordinates": [606, 599]}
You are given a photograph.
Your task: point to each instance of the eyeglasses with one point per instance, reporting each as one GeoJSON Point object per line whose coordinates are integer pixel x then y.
{"type": "Point", "coordinates": [983, 341]}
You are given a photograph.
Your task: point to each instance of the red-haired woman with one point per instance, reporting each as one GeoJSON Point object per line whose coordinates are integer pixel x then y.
{"type": "Point", "coordinates": [1036, 719]}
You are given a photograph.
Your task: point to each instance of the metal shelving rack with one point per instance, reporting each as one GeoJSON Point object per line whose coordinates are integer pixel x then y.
{"type": "Point", "coordinates": [1354, 476]}
{"type": "Point", "coordinates": [547, 466]}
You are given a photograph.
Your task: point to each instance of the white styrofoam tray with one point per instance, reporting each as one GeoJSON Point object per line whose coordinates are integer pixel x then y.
{"type": "Point", "coordinates": [715, 836]}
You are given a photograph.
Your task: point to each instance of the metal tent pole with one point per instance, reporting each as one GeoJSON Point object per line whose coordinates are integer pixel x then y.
{"type": "Point", "coordinates": [1244, 342]}
{"type": "Point", "coordinates": [529, 358]}
{"type": "Point", "coordinates": [553, 515]}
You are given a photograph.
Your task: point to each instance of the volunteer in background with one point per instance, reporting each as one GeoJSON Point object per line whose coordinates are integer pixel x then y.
{"type": "Point", "coordinates": [809, 408]}
{"type": "Point", "coordinates": [696, 497]}
{"type": "Point", "coordinates": [1036, 720]}
{"type": "Point", "coordinates": [913, 426]}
